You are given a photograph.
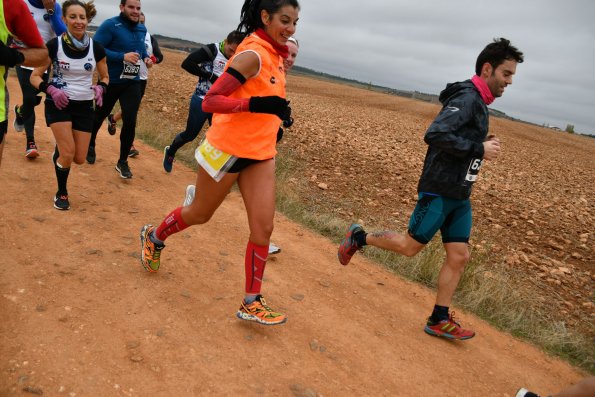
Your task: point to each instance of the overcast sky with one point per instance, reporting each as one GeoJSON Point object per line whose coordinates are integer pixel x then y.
{"type": "Point", "coordinates": [424, 44]}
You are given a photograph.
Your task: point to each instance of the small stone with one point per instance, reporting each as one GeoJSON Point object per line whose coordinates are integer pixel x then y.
{"type": "Point", "coordinates": [40, 308]}
{"type": "Point", "coordinates": [33, 390]}
{"type": "Point", "coordinates": [324, 283]}
{"type": "Point", "coordinates": [132, 344]}
{"type": "Point", "coordinates": [136, 359]}
{"type": "Point", "coordinates": [313, 345]}
{"type": "Point", "coordinates": [298, 297]}
{"type": "Point", "coordinates": [323, 186]}
{"type": "Point", "coordinates": [186, 294]}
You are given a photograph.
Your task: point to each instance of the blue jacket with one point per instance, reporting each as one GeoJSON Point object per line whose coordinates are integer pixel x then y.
{"type": "Point", "coordinates": [455, 143]}
{"type": "Point", "coordinates": [119, 35]}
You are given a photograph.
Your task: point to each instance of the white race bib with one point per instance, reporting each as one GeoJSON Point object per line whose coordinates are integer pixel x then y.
{"type": "Point", "coordinates": [473, 170]}
{"type": "Point", "coordinates": [130, 70]}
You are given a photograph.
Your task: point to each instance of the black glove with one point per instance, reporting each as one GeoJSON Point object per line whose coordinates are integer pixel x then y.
{"type": "Point", "coordinates": [288, 121]}
{"type": "Point", "coordinates": [10, 56]}
{"type": "Point", "coordinates": [279, 134]}
{"type": "Point", "coordinates": [271, 105]}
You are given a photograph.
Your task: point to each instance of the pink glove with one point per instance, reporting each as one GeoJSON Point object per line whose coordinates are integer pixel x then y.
{"type": "Point", "coordinates": [99, 90]}
{"type": "Point", "coordinates": [58, 96]}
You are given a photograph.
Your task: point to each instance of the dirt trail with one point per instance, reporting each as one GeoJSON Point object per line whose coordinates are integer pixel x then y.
{"type": "Point", "coordinates": [79, 316]}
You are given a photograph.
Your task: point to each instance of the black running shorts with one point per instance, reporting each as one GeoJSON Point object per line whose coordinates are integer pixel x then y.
{"type": "Point", "coordinates": [79, 113]}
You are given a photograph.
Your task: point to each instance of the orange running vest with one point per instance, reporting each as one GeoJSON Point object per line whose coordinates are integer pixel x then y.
{"type": "Point", "coordinates": [252, 135]}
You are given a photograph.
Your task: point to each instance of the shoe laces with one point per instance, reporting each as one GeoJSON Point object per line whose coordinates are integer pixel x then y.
{"type": "Point", "coordinates": [451, 319]}
{"type": "Point", "coordinates": [63, 197]}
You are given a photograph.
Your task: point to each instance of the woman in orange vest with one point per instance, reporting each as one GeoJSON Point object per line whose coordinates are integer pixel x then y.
{"type": "Point", "coordinates": [247, 102]}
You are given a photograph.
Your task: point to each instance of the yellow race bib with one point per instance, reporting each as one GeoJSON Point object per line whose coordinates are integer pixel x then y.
{"type": "Point", "coordinates": [216, 162]}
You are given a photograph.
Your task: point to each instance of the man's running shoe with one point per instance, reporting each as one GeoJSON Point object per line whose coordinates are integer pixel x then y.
{"type": "Point", "coordinates": [525, 393]}
{"type": "Point", "coordinates": [133, 152]}
{"type": "Point", "coordinates": [349, 246]}
{"type": "Point", "coordinates": [449, 329]}
{"type": "Point", "coordinates": [61, 201]}
{"type": "Point", "coordinates": [111, 124]}
{"type": "Point", "coordinates": [19, 123]}
{"type": "Point", "coordinates": [190, 192]}
{"type": "Point", "coordinates": [31, 151]}
{"type": "Point", "coordinates": [91, 155]}
{"type": "Point", "coordinates": [168, 160]}
{"type": "Point", "coordinates": [150, 252]}
{"type": "Point", "coordinates": [273, 249]}
{"type": "Point", "coordinates": [123, 169]}
{"type": "Point", "coordinates": [261, 313]}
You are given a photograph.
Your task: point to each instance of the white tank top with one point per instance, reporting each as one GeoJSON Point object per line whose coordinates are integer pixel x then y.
{"type": "Point", "coordinates": [42, 21]}
{"type": "Point", "coordinates": [144, 71]}
{"type": "Point", "coordinates": [217, 68]}
{"type": "Point", "coordinates": [74, 76]}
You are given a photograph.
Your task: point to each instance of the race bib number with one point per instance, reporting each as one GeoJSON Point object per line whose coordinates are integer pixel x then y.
{"type": "Point", "coordinates": [473, 170]}
{"type": "Point", "coordinates": [130, 70]}
{"type": "Point", "coordinates": [216, 162]}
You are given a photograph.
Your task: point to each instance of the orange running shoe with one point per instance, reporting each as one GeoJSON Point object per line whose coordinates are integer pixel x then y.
{"type": "Point", "coordinates": [449, 329]}
{"type": "Point", "coordinates": [261, 313]}
{"type": "Point", "coordinates": [150, 252]}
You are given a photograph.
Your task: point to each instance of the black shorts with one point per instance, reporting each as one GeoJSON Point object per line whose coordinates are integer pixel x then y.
{"type": "Point", "coordinates": [242, 163]}
{"type": "Point", "coordinates": [79, 113]}
{"type": "Point", "coordinates": [3, 129]}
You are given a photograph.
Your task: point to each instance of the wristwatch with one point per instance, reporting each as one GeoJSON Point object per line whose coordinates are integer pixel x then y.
{"type": "Point", "coordinates": [50, 11]}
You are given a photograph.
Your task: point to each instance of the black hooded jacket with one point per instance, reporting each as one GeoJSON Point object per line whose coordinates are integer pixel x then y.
{"type": "Point", "coordinates": [455, 139]}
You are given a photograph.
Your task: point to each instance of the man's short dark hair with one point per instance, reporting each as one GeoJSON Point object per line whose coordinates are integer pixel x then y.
{"type": "Point", "coordinates": [235, 37]}
{"type": "Point", "coordinates": [496, 53]}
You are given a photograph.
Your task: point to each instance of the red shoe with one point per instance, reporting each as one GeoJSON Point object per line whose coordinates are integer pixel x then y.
{"type": "Point", "coordinates": [449, 329]}
{"type": "Point", "coordinates": [349, 246]}
{"type": "Point", "coordinates": [31, 151]}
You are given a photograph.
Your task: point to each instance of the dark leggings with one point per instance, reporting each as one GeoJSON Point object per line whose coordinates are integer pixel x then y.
{"type": "Point", "coordinates": [30, 100]}
{"type": "Point", "coordinates": [196, 119]}
{"type": "Point", "coordinates": [129, 94]}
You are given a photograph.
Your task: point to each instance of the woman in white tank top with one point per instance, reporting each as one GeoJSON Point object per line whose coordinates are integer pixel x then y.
{"type": "Point", "coordinates": [70, 93]}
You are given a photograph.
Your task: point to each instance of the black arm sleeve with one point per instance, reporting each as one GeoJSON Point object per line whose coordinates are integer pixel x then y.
{"type": "Point", "coordinates": [98, 50]}
{"type": "Point", "coordinates": [52, 46]}
{"type": "Point", "coordinates": [193, 61]}
{"type": "Point", "coordinates": [156, 50]}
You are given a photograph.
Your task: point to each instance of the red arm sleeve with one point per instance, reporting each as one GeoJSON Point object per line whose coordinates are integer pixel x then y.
{"type": "Point", "coordinates": [217, 100]}
{"type": "Point", "coordinates": [20, 23]}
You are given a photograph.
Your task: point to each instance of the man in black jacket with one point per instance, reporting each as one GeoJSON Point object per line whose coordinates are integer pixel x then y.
{"type": "Point", "coordinates": [458, 143]}
{"type": "Point", "coordinates": [207, 63]}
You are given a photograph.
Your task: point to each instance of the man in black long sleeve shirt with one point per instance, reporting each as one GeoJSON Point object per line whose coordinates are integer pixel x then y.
{"type": "Point", "coordinates": [458, 143]}
{"type": "Point", "coordinates": [207, 63]}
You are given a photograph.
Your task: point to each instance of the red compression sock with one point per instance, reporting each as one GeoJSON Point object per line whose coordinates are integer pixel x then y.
{"type": "Point", "coordinates": [173, 223]}
{"type": "Point", "coordinates": [255, 262]}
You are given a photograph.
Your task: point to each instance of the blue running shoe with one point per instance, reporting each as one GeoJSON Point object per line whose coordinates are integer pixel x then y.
{"type": "Point", "coordinates": [168, 160]}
